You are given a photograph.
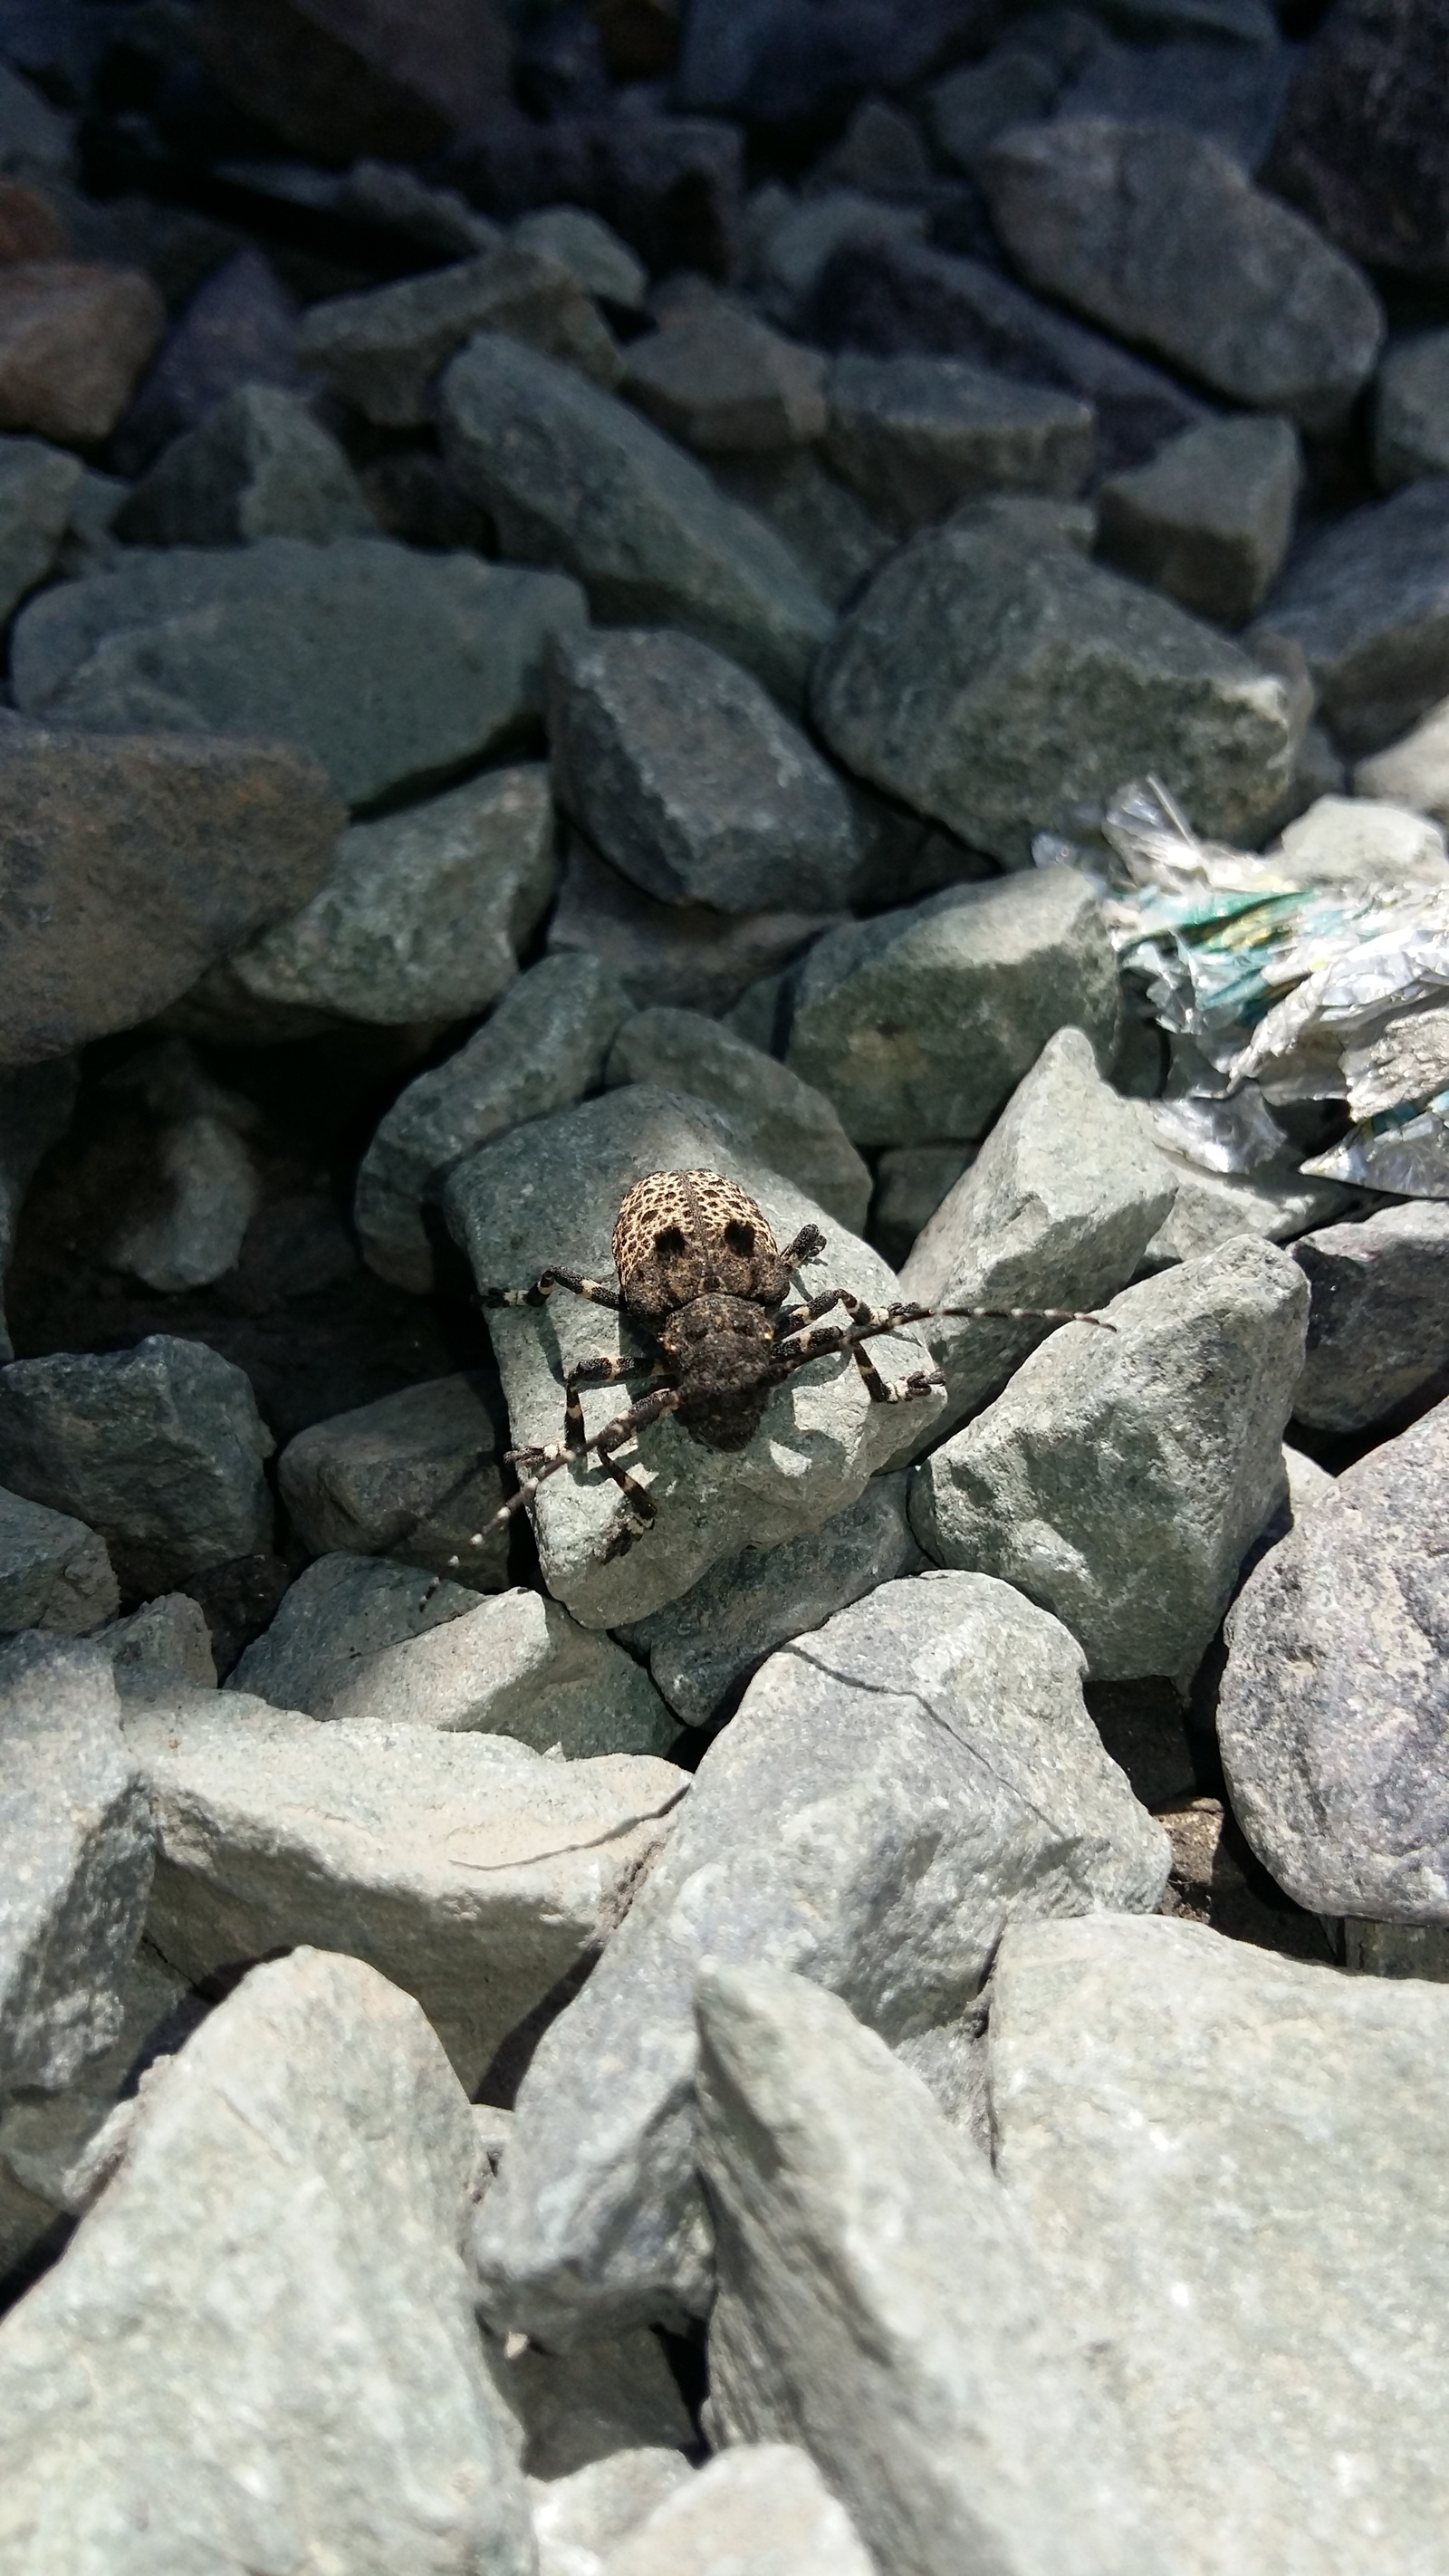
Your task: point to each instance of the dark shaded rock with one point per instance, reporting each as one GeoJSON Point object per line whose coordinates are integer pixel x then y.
{"type": "Point", "coordinates": [835, 541]}
{"type": "Point", "coordinates": [690, 955]}
{"type": "Point", "coordinates": [38, 486]}
{"type": "Point", "coordinates": [882, 148]}
{"type": "Point", "coordinates": [412, 495]}
{"type": "Point", "coordinates": [1233, 94]}
{"type": "Point", "coordinates": [1209, 519]}
{"type": "Point", "coordinates": [338, 82]}
{"type": "Point", "coordinates": [672, 186]}
{"type": "Point", "coordinates": [1411, 411]}
{"type": "Point", "coordinates": [133, 864]}
{"type": "Point", "coordinates": [910, 1183]}
{"type": "Point", "coordinates": [73, 341]}
{"type": "Point", "coordinates": [915, 436]}
{"type": "Point", "coordinates": [1368, 603]}
{"type": "Point", "coordinates": [385, 349]}
{"type": "Point", "coordinates": [793, 243]}
{"type": "Point", "coordinates": [1362, 145]}
{"type": "Point", "coordinates": [591, 251]}
{"type": "Point", "coordinates": [54, 1572]}
{"type": "Point", "coordinates": [410, 1477]}
{"type": "Point", "coordinates": [971, 106]}
{"type": "Point", "coordinates": [1378, 1323]}
{"type": "Point", "coordinates": [239, 328]}
{"type": "Point", "coordinates": [727, 384]}
{"type": "Point", "coordinates": [259, 465]}
{"type": "Point", "coordinates": [787, 61]}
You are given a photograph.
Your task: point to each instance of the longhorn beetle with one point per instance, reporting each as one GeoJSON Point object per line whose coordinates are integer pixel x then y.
{"type": "Point", "coordinates": [702, 1278]}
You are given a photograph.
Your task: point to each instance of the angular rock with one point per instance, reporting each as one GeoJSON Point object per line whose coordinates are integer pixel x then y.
{"type": "Point", "coordinates": [340, 1612]}
{"type": "Point", "coordinates": [910, 1183]}
{"type": "Point", "coordinates": [409, 1477]}
{"type": "Point", "coordinates": [385, 349]}
{"type": "Point", "coordinates": [1222, 2156]}
{"type": "Point", "coordinates": [543, 1047]}
{"type": "Point", "coordinates": [794, 251]}
{"type": "Point", "coordinates": [337, 83]}
{"type": "Point", "coordinates": [763, 2505]}
{"type": "Point", "coordinates": [917, 1024]}
{"type": "Point", "coordinates": [1123, 1475]}
{"type": "Point", "coordinates": [65, 2147]}
{"type": "Point", "coordinates": [821, 522]}
{"type": "Point", "coordinates": [1209, 519]}
{"type": "Point", "coordinates": [464, 1867]}
{"type": "Point", "coordinates": [159, 1448]}
{"type": "Point", "coordinates": [1006, 687]}
{"type": "Point", "coordinates": [257, 466]}
{"type": "Point", "coordinates": [424, 913]}
{"type": "Point", "coordinates": [164, 1643]}
{"type": "Point", "coordinates": [578, 2519]}
{"type": "Point", "coordinates": [590, 250]}
{"type": "Point", "coordinates": [196, 1205]}
{"type": "Point", "coordinates": [240, 328]}
{"type": "Point", "coordinates": [882, 147]}
{"type": "Point", "coordinates": [1332, 1710]}
{"type": "Point", "coordinates": [1232, 92]}
{"type": "Point", "coordinates": [1410, 401]}
{"type": "Point", "coordinates": [727, 384]}
{"type": "Point", "coordinates": [805, 1844]}
{"type": "Point", "coordinates": [618, 2394]}
{"type": "Point", "coordinates": [551, 1192]}
{"type": "Point", "coordinates": [702, 1649]}
{"type": "Point", "coordinates": [54, 1572]}
{"type": "Point", "coordinates": [690, 956]}
{"type": "Point", "coordinates": [1212, 1209]}
{"type": "Point", "coordinates": [284, 2231]}
{"type": "Point", "coordinates": [1361, 143]}
{"type": "Point", "coordinates": [1368, 604]}
{"type": "Point", "coordinates": [1343, 839]}
{"type": "Point", "coordinates": [1162, 237]}
{"type": "Point", "coordinates": [684, 773]}
{"type": "Point", "coordinates": [37, 487]}
{"type": "Point", "coordinates": [77, 1843]}
{"type": "Point", "coordinates": [73, 341]}
{"type": "Point", "coordinates": [35, 1110]}
{"type": "Point", "coordinates": [882, 2304]}
{"type": "Point", "coordinates": [785, 1123]}
{"type": "Point", "coordinates": [915, 436]}
{"type": "Point", "coordinates": [967, 109]}
{"type": "Point", "coordinates": [1414, 772]}
{"type": "Point", "coordinates": [384, 664]}
{"type": "Point", "coordinates": [670, 185]}
{"type": "Point", "coordinates": [1057, 1210]}
{"type": "Point", "coordinates": [574, 478]}
{"type": "Point", "coordinates": [1378, 1320]}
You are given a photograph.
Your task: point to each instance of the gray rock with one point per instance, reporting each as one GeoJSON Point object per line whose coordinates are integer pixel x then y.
{"type": "Point", "coordinates": [1212, 1209]}
{"type": "Point", "coordinates": [915, 436]}
{"type": "Point", "coordinates": [261, 2337]}
{"type": "Point", "coordinates": [54, 1572]}
{"type": "Point", "coordinates": [198, 1200]}
{"type": "Point", "coordinates": [683, 772]}
{"type": "Point", "coordinates": [1007, 687]}
{"type": "Point", "coordinates": [1210, 518]}
{"type": "Point", "coordinates": [64, 2148]}
{"type": "Point", "coordinates": [1411, 398]}
{"type": "Point", "coordinates": [77, 1843]}
{"type": "Point", "coordinates": [385, 348]}
{"type": "Point", "coordinates": [1342, 839]}
{"type": "Point", "coordinates": [1368, 603]}
{"type": "Point", "coordinates": [1162, 236]}
{"type": "Point", "coordinates": [36, 1104]}
{"type": "Point", "coordinates": [38, 486]}
{"type": "Point", "coordinates": [917, 1024]}
{"type": "Point", "coordinates": [891, 1791]}
{"type": "Point", "coordinates": [1308, 1483]}
{"type": "Point", "coordinates": [142, 861]}
{"type": "Point", "coordinates": [424, 914]}
{"type": "Point", "coordinates": [1232, 92]}
{"type": "Point", "coordinates": [618, 2394]}
{"type": "Point", "coordinates": [882, 148]}
{"type": "Point", "coordinates": [574, 478]}
{"type": "Point", "coordinates": [972, 105]}
{"type": "Point", "coordinates": [387, 665]}
{"type": "Point", "coordinates": [1333, 1708]}
{"type": "Point", "coordinates": [881, 2303]}
{"type": "Point", "coordinates": [1414, 772]}
{"type": "Point", "coordinates": [1057, 1210]}
{"type": "Point", "coordinates": [577, 2520]}
{"type": "Point", "coordinates": [910, 1183]}
{"type": "Point", "coordinates": [409, 1477]}
{"type": "Point", "coordinates": [467, 1869]}
{"type": "Point", "coordinates": [35, 141]}
{"type": "Point", "coordinates": [795, 250]}
{"type": "Point", "coordinates": [1378, 1318]}
{"type": "Point", "coordinates": [340, 1612]}
{"type": "Point", "coordinates": [163, 1645]}
{"type": "Point", "coordinates": [544, 1045]}
{"type": "Point", "coordinates": [1223, 2157]}
{"type": "Point", "coordinates": [1123, 1475]}
{"type": "Point", "coordinates": [725, 383]}
{"type": "Point", "coordinates": [689, 955]}
{"type": "Point", "coordinates": [159, 1448]}
{"type": "Point", "coordinates": [385, 192]}
{"type": "Point", "coordinates": [701, 1649]}
{"type": "Point", "coordinates": [836, 542]}
{"type": "Point", "coordinates": [257, 466]}
{"type": "Point", "coordinates": [785, 1123]}
{"type": "Point", "coordinates": [589, 249]}
{"type": "Point", "coordinates": [551, 1192]}
{"type": "Point", "coordinates": [763, 2506]}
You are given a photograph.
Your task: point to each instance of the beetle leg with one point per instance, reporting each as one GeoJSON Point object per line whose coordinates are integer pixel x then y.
{"type": "Point", "coordinates": [541, 1463]}
{"type": "Point", "coordinates": [807, 1245]}
{"type": "Point", "coordinates": [597, 1291]}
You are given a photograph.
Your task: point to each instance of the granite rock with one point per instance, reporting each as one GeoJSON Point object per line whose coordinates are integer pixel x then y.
{"type": "Point", "coordinates": [1411, 397]}
{"type": "Point", "coordinates": [1333, 1708]}
{"type": "Point", "coordinates": [1231, 92]}
{"type": "Point", "coordinates": [1361, 142]}
{"type": "Point", "coordinates": [261, 2336]}
{"type": "Point", "coordinates": [239, 328]}
{"type": "Point", "coordinates": [725, 383]}
{"type": "Point", "coordinates": [1212, 1209]}
{"type": "Point", "coordinates": [1122, 1477]}
{"type": "Point", "coordinates": [1368, 604]}
{"type": "Point", "coordinates": [761, 2505]}
{"type": "Point", "coordinates": [384, 350]}
{"type": "Point", "coordinates": [257, 466]}
{"type": "Point", "coordinates": [388, 666]}
{"type": "Point", "coordinates": [573, 477]}
{"type": "Point", "coordinates": [1343, 839]}
{"type": "Point", "coordinates": [464, 1867]}
{"type": "Point", "coordinates": [73, 341]}
{"type": "Point", "coordinates": [915, 436]}
{"type": "Point", "coordinates": [691, 956]}
{"type": "Point", "coordinates": [1013, 85]}
{"type": "Point", "coordinates": [65, 2147]}
{"type": "Point", "coordinates": [340, 1612]}
{"type": "Point", "coordinates": [38, 485]}
{"type": "Point", "coordinates": [1378, 1317]}
{"type": "Point", "coordinates": [410, 1477]}
{"type": "Point", "coordinates": [783, 1121]}
{"type": "Point", "coordinates": [1007, 687]}
{"type": "Point", "coordinates": [78, 1854]}
{"type": "Point", "coordinates": [1414, 771]}
{"type": "Point", "coordinates": [891, 1791]}
{"type": "Point", "coordinates": [589, 249]}
{"type": "Point", "coordinates": [917, 1024]}
{"type": "Point", "coordinates": [682, 771]}
{"type": "Point", "coordinates": [158, 1448]}
{"type": "Point", "coordinates": [163, 1645]}
{"type": "Point", "coordinates": [197, 1200]}
{"type": "Point", "coordinates": [543, 1047]}
{"type": "Point", "coordinates": [54, 1572]}
{"type": "Point", "coordinates": [1209, 519]}
{"type": "Point", "coordinates": [577, 2519]}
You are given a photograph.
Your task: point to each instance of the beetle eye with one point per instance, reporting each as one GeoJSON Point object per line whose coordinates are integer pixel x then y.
{"type": "Point", "coordinates": [740, 1237]}
{"type": "Point", "coordinates": [669, 1244]}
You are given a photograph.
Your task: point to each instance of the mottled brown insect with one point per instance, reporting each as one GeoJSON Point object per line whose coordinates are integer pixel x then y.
{"type": "Point", "coordinates": [701, 1277]}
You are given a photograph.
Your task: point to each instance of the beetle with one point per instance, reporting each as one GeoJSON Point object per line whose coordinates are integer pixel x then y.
{"type": "Point", "coordinates": [701, 1278]}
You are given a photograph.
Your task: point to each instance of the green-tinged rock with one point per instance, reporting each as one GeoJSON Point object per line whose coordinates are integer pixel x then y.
{"type": "Point", "coordinates": [785, 1123]}
{"type": "Point", "coordinates": [259, 465]}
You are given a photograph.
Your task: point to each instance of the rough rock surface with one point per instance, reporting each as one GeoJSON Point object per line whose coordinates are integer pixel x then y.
{"type": "Point", "coordinates": [159, 1448]}
{"type": "Point", "coordinates": [1378, 1320]}
{"type": "Point", "coordinates": [578, 2518]}
{"type": "Point", "coordinates": [917, 1024]}
{"type": "Point", "coordinates": [1415, 771]}
{"type": "Point", "coordinates": [1210, 518]}
{"type": "Point", "coordinates": [73, 341]}
{"type": "Point", "coordinates": [341, 1611]}
{"type": "Point", "coordinates": [38, 485]}
{"type": "Point", "coordinates": [1333, 1711]}
{"type": "Point", "coordinates": [691, 955]}
{"type": "Point", "coordinates": [1211, 1208]}
{"type": "Point", "coordinates": [261, 2338]}
{"type": "Point", "coordinates": [1123, 1475]}
{"type": "Point", "coordinates": [1410, 399]}
{"type": "Point", "coordinates": [726, 384]}
{"type": "Point", "coordinates": [77, 1857]}
{"type": "Point", "coordinates": [804, 1844]}
{"type": "Point", "coordinates": [1368, 603]}
{"type": "Point", "coordinates": [574, 478]}
{"type": "Point", "coordinates": [785, 1122]}
{"type": "Point", "coordinates": [916, 436]}
{"type": "Point", "coordinates": [384, 350]}
{"type": "Point", "coordinates": [1361, 143]}
{"type": "Point", "coordinates": [410, 1477]}
{"type": "Point", "coordinates": [257, 466]}
{"type": "Point", "coordinates": [239, 328]}
{"type": "Point", "coordinates": [466, 1868]}
{"type": "Point", "coordinates": [387, 665]}
{"type": "Point", "coordinates": [1007, 687]}
{"type": "Point", "coordinates": [762, 2505]}
{"type": "Point", "coordinates": [194, 1208]}
{"type": "Point", "coordinates": [544, 1045]}
{"type": "Point", "coordinates": [1228, 2161]}
{"type": "Point", "coordinates": [164, 1643]}
{"type": "Point", "coordinates": [881, 2304]}
{"type": "Point", "coordinates": [550, 1192]}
